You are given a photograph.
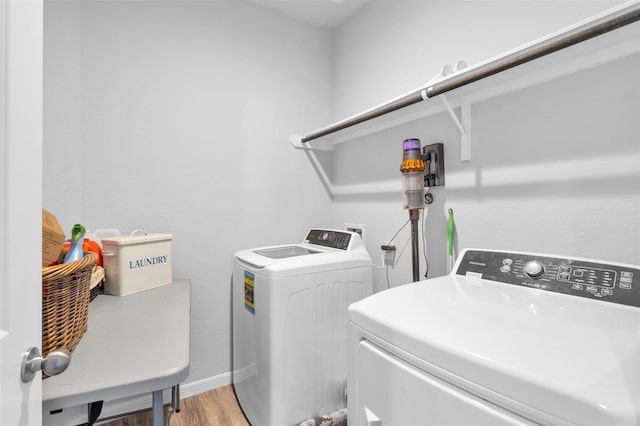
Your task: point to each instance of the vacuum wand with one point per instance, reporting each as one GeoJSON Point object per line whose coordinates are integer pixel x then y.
{"type": "Point", "coordinates": [414, 215]}
{"type": "Point", "coordinates": [412, 169]}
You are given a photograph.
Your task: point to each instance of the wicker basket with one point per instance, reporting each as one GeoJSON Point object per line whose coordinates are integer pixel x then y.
{"type": "Point", "coordinates": [65, 303]}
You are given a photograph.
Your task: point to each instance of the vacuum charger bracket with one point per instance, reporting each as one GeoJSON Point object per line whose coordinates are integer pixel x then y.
{"type": "Point", "coordinates": [433, 157]}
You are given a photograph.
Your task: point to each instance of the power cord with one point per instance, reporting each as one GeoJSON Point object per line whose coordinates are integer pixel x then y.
{"type": "Point", "coordinates": [423, 217]}
{"type": "Point", "coordinates": [424, 236]}
{"type": "Point", "coordinates": [397, 257]}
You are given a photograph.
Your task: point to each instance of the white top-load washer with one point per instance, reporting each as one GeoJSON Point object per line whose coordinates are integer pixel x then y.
{"type": "Point", "coordinates": [290, 325]}
{"type": "Point", "coordinates": [507, 338]}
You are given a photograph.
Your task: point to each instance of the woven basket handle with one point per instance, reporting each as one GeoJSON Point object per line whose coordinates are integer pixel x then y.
{"type": "Point", "coordinates": [57, 271]}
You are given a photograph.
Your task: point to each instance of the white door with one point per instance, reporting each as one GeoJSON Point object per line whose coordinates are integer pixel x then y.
{"type": "Point", "coordinates": [21, 32]}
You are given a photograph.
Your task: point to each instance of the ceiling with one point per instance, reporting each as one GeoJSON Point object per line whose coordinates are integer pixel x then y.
{"type": "Point", "coordinates": [318, 13]}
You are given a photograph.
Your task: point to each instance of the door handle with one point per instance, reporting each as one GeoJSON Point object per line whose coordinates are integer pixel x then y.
{"type": "Point", "coordinates": [54, 363]}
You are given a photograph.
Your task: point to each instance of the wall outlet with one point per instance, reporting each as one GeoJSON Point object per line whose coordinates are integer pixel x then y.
{"type": "Point", "coordinates": [355, 227]}
{"type": "Point", "coordinates": [389, 253]}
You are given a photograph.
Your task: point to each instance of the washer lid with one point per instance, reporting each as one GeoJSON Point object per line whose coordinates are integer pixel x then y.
{"type": "Point", "coordinates": [284, 252]}
{"type": "Point", "coordinates": [301, 259]}
{"type": "Point", "coordinates": [553, 358]}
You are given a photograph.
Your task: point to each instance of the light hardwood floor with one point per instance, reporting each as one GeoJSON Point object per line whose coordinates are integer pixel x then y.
{"type": "Point", "coordinates": [213, 408]}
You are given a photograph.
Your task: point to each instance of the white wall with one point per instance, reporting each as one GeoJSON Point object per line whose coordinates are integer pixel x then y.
{"type": "Point", "coordinates": [62, 117]}
{"type": "Point", "coordinates": [179, 113]}
{"type": "Point", "coordinates": [175, 117]}
{"type": "Point", "coordinates": [553, 167]}
{"type": "Point", "coordinates": [392, 47]}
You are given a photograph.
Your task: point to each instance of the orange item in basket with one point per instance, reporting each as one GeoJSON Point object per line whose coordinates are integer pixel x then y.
{"type": "Point", "coordinates": [88, 245]}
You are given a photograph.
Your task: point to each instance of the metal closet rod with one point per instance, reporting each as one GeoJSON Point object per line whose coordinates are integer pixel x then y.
{"type": "Point", "coordinates": [624, 16]}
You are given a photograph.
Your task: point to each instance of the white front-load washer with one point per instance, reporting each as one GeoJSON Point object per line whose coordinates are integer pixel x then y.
{"type": "Point", "coordinates": [507, 338]}
{"type": "Point", "coordinates": [290, 325]}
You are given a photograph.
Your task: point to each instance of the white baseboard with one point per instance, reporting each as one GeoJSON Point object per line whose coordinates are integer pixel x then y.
{"type": "Point", "coordinates": [142, 402]}
{"type": "Point", "coordinates": [205, 385]}
{"type": "Point", "coordinates": [78, 415]}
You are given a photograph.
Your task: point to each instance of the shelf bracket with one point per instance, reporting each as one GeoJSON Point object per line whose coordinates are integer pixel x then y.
{"type": "Point", "coordinates": [465, 138]}
{"type": "Point", "coordinates": [296, 142]}
{"type": "Point", "coordinates": [463, 125]}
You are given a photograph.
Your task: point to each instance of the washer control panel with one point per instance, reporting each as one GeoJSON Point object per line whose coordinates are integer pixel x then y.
{"type": "Point", "coordinates": [329, 238]}
{"type": "Point", "coordinates": [603, 281]}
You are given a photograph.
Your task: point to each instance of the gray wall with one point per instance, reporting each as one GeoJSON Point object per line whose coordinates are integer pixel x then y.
{"type": "Point", "coordinates": [392, 47]}
{"type": "Point", "coordinates": [554, 167]}
{"type": "Point", "coordinates": [175, 117]}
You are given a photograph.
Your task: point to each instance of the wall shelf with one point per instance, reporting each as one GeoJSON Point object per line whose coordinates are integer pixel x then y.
{"type": "Point", "coordinates": [612, 35]}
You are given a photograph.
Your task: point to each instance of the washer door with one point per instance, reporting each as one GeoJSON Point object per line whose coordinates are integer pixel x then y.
{"type": "Point", "coordinates": [389, 391]}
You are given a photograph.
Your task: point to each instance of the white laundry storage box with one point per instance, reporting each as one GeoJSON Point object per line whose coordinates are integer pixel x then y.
{"type": "Point", "coordinates": [136, 262]}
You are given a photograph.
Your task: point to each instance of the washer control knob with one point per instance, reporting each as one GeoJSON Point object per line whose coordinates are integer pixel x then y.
{"type": "Point", "coordinates": [534, 269]}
